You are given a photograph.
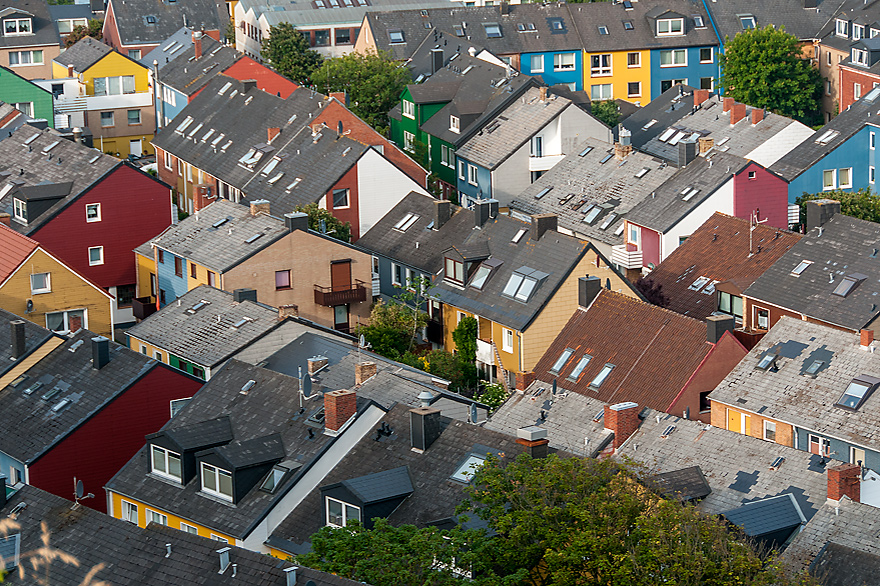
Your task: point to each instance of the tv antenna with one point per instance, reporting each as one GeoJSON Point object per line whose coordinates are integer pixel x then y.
{"type": "Point", "coordinates": [753, 225]}
{"type": "Point", "coordinates": [79, 493]}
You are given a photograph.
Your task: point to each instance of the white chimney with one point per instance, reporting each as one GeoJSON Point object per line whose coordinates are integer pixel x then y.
{"type": "Point", "coordinates": [224, 558]}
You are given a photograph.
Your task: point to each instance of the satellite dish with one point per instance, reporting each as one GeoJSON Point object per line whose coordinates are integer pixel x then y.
{"type": "Point", "coordinates": [80, 489]}
{"type": "Point", "coordinates": [307, 386]}
{"type": "Point", "coordinates": [474, 413]}
{"type": "Point", "coordinates": [311, 583]}
{"type": "Point", "coordinates": [362, 341]}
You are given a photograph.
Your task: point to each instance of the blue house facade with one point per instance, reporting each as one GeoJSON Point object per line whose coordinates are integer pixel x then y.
{"type": "Point", "coordinates": [172, 277]}
{"type": "Point", "coordinates": [837, 449]}
{"type": "Point", "coordinates": [169, 103]}
{"type": "Point", "coordinates": [556, 67]}
{"type": "Point", "coordinates": [474, 182]}
{"type": "Point", "coordinates": [694, 66]}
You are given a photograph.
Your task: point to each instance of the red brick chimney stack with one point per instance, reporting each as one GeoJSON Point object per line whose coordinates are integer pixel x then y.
{"type": "Point", "coordinates": [623, 420]}
{"type": "Point", "coordinates": [845, 479]}
{"type": "Point", "coordinates": [339, 407]}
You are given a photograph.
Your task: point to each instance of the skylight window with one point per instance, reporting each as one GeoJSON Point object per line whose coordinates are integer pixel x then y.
{"type": "Point", "coordinates": [592, 215]}
{"type": "Point", "coordinates": [493, 30]}
{"type": "Point", "coordinates": [459, 30]}
{"type": "Point", "coordinates": [273, 480]}
{"type": "Point", "coordinates": [814, 367]}
{"type": "Point", "coordinates": [200, 305]}
{"type": "Point", "coordinates": [184, 125]}
{"type": "Point", "coordinates": [603, 30]}
{"type": "Point", "coordinates": [562, 360]}
{"type": "Point", "coordinates": [667, 134]}
{"type": "Point", "coordinates": [275, 179]}
{"type": "Point", "coordinates": [294, 184]}
{"type": "Point", "coordinates": [254, 238]}
{"type": "Point", "coordinates": [649, 124]}
{"type": "Point", "coordinates": [522, 283]}
{"type": "Point", "coordinates": [675, 139]}
{"type": "Point", "coordinates": [396, 37]}
{"type": "Point", "coordinates": [827, 136]}
{"type": "Point", "coordinates": [219, 223]}
{"type": "Point", "coordinates": [465, 471]}
{"type": "Point", "coordinates": [408, 220]}
{"type": "Point", "coordinates": [479, 279]}
{"type": "Point", "coordinates": [608, 221]}
{"type": "Point", "coordinates": [518, 236]}
{"type": "Point", "coordinates": [581, 365]}
{"type": "Point", "coordinates": [50, 146]}
{"type": "Point", "coordinates": [858, 392]}
{"type": "Point", "coordinates": [642, 173]}
{"type": "Point", "coordinates": [848, 284]}
{"type": "Point", "coordinates": [628, 25]}
{"type": "Point", "coordinates": [698, 21]}
{"type": "Point", "coordinates": [603, 374]}
{"type": "Point", "coordinates": [698, 284]}
{"type": "Point", "coordinates": [225, 87]}
{"type": "Point", "coordinates": [31, 139]}
{"type": "Point", "coordinates": [767, 362]}
{"type": "Point", "coordinates": [270, 166]}
{"type": "Point", "coordinates": [691, 192]}
{"type": "Point", "coordinates": [619, 229]}
{"type": "Point", "coordinates": [242, 321]}
{"type": "Point", "coordinates": [585, 152]}
{"type": "Point", "coordinates": [747, 21]}
{"type": "Point", "coordinates": [802, 266]}
{"type": "Point", "coordinates": [710, 288]}
{"type": "Point", "coordinates": [606, 158]}
{"type": "Point", "coordinates": [543, 192]}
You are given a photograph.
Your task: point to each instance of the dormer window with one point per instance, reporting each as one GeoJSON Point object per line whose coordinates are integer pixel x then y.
{"type": "Point", "coordinates": [857, 392]}
{"type": "Point", "coordinates": [840, 28]}
{"type": "Point", "coordinates": [17, 26]}
{"type": "Point", "coordinates": [340, 514]}
{"type": "Point", "coordinates": [19, 210]}
{"type": "Point", "coordinates": [216, 482]}
{"type": "Point", "coordinates": [165, 463]}
{"type": "Point", "coordinates": [454, 124]}
{"type": "Point", "coordinates": [670, 26]}
{"type": "Point", "coordinates": [484, 271]}
{"type": "Point", "coordinates": [747, 21]}
{"type": "Point", "coordinates": [860, 57]}
{"type": "Point", "coordinates": [858, 32]}
{"type": "Point", "coordinates": [454, 270]}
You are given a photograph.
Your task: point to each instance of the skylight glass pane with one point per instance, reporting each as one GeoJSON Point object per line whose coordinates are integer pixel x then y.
{"type": "Point", "coordinates": [603, 374]}
{"type": "Point", "coordinates": [698, 284]}
{"type": "Point", "coordinates": [710, 288]}
{"type": "Point", "coordinates": [594, 213]}
{"type": "Point", "coordinates": [404, 220]}
{"type": "Point", "coordinates": [480, 278]}
{"type": "Point", "coordinates": [581, 365]}
{"type": "Point", "coordinates": [525, 290]}
{"type": "Point", "coordinates": [844, 287]}
{"type": "Point", "coordinates": [543, 192]}
{"type": "Point", "coordinates": [854, 394]}
{"type": "Point", "coordinates": [465, 472]}
{"type": "Point", "coordinates": [608, 221]}
{"type": "Point", "coordinates": [409, 222]}
{"type": "Point", "coordinates": [642, 173]}
{"type": "Point", "coordinates": [513, 284]}
{"type": "Point", "coordinates": [814, 368]}
{"type": "Point", "coordinates": [766, 360]}
{"type": "Point", "coordinates": [518, 236]}
{"type": "Point", "coordinates": [585, 151]}
{"type": "Point", "coordinates": [563, 358]}
{"type": "Point", "coordinates": [801, 267]}
{"type": "Point", "coordinates": [606, 158]}
{"type": "Point", "coordinates": [649, 124]}
{"type": "Point", "coordinates": [270, 166]}
{"type": "Point", "coordinates": [667, 134]}
{"type": "Point", "coordinates": [675, 139]}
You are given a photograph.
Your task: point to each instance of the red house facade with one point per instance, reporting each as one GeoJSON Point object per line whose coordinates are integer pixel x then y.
{"type": "Point", "coordinates": [854, 83]}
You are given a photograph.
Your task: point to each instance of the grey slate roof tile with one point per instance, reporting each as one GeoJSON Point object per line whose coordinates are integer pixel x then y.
{"type": "Point", "coordinates": [804, 23]}
{"type": "Point", "coordinates": [188, 75]}
{"type": "Point", "coordinates": [766, 515]}
{"type": "Point", "coordinates": [844, 248]}
{"type": "Point", "coordinates": [34, 337]}
{"type": "Point", "coordinates": [44, 30]}
{"type": "Point", "coordinates": [134, 30]}
{"type": "Point", "coordinates": [209, 336]}
{"type": "Point", "coordinates": [855, 11]}
{"type": "Point", "coordinates": [85, 53]}
{"type": "Point", "coordinates": [381, 485]}
{"type": "Point", "coordinates": [168, 49]}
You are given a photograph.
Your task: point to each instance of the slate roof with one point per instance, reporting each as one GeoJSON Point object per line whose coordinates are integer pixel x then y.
{"type": "Point", "coordinates": [554, 254]}
{"type": "Point", "coordinates": [856, 11]}
{"type": "Point", "coordinates": [667, 206]}
{"type": "Point", "coordinates": [435, 496]}
{"type": "Point", "coordinates": [844, 248]}
{"type": "Point", "coordinates": [844, 126]}
{"type": "Point", "coordinates": [16, 157]}
{"type": "Point", "coordinates": [588, 181]}
{"type": "Point", "coordinates": [672, 105]}
{"type": "Point", "coordinates": [719, 250]}
{"type": "Point", "coordinates": [804, 23]}
{"type": "Point", "coordinates": [188, 75]}
{"type": "Point", "coordinates": [736, 466]}
{"type": "Point", "coordinates": [201, 337]}
{"type": "Point", "coordinates": [569, 418]}
{"type": "Point", "coordinates": [83, 54]}
{"type": "Point", "coordinates": [848, 525]}
{"type": "Point", "coordinates": [764, 142]}
{"type": "Point", "coordinates": [513, 127]}
{"type": "Point", "coordinates": [274, 12]}
{"type": "Point", "coordinates": [65, 11]}
{"type": "Point", "coordinates": [131, 18]}
{"type": "Point", "coordinates": [44, 30]}
{"type": "Point", "coordinates": [272, 405]}
{"type": "Point", "coordinates": [240, 121]}
{"type": "Point", "coordinates": [637, 338]}
{"type": "Point", "coordinates": [766, 515]}
{"type": "Point", "coordinates": [198, 239]}
{"type": "Point", "coordinates": [379, 486]}
{"type": "Point", "coordinates": [15, 248]}
{"type": "Point", "coordinates": [34, 337]}
{"type": "Point", "coordinates": [399, 246]}
{"type": "Point", "coordinates": [168, 49]}
{"type": "Point", "coordinates": [792, 396]}
{"type": "Point", "coordinates": [31, 425]}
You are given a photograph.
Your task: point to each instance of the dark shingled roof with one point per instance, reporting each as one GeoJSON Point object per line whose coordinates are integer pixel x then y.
{"type": "Point", "coordinates": [383, 485]}
{"type": "Point", "coordinates": [855, 11]}
{"type": "Point", "coordinates": [435, 494]}
{"type": "Point", "coordinates": [85, 53]}
{"type": "Point", "coordinates": [719, 250]}
{"type": "Point", "coordinates": [845, 247]}
{"type": "Point", "coordinates": [654, 337]}
{"type": "Point", "coordinates": [188, 75]}
{"type": "Point", "coordinates": [653, 118]}
{"type": "Point", "coordinates": [804, 23]}
{"type": "Point", "coordinates": [30, 423]}
{"type": "Point", "coordinates": [384, 240]}
{"type": "Point", "coordinates": [34, 337]}
{"type": "Point", "coordinates": [204, 433]}
{"type": "Point", "coordinates": [686, 484]}
{"type": "Point", "coordinates": [43, 28]}
{"type": "Point", "coordinates": [767, 515]}
{"type": "Point", "coordinates": [131, 18]}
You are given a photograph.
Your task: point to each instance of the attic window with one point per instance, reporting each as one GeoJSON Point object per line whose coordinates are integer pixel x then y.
{"type": "Point", "coordinates": [294, 184]}
{"type": "Point", "coordinates": [608, 221]}
{"type": "Point", "coordinates": [698, 284]}
{"type": "Point", "coordinates": [827, 136]}
{"type": "Point", "coordinates": [200, 305]}
{"type": "Point", "coordinates": [493, 30]}
{"type": "Point", "coordinates": [31, 139]}
{"type": "Point", "coordinates": [606, 158]}
{"type": "Point", "coordinates": [543, 192]}
{"type": "Point", "coordinates": [849, 284]}
{"type": "Point", "coordinates": [698, 21]}
{"type": "Point", "coordinates": [273, 480]}
{"type": "Point", "coordinates": [556, 25]}
{"type": "Point", "coordinates": [667, 134]}
{"type": "Point", "coordinates": [802, 266]}
{"type": "Point", "coordinates": [767, 362]}
{"type": "Point", "coordinates": [270, 166]}
{"type": "Point", "coordinates": [690, 193]}
{"type": "Point", "coordinates": [585, 152]}
{"type": "Point", "coordinates": [747, 21]}
{"type": "Point", "coordinates": [642, 173]}
{"type": "Point", "coordinates": [225, 87]}
{"type": "Point", "coordinates": [603, 30]}
{"type": "Point", "coordinates": [627, 5]}
{"type": "Point", "coordinates": [592, 215]}
{"type": "Point", "coordinates": [459, 30]}
{"type": "Point", "coordinates": [857, 392]}
{"type": "Point", "coordinates": [581, 365]}
{"type": "Point", "coordinates": [396, 37]}
{"type": "Point", "coordinates": [603, 374]}
{"type": "Point", "coordinates": [484, 271]}
{"type": "Point", "coordinates": [407, 221]}
{"type": "Point", "coordinates": [628, 25]}
{"type": "Point", "coordinates": [465, 471]}
{"type": "Point", "coordinates": [814, 367]}
{"type": "Point", "coordinates": [522, 283]}
{"type": "Point", "coordinates": [518, 236]}
{"type": "Point", "coordinates": [670, 26]}
{"type": "Point", "coordinates": [649, 124]}
{"type": "Point", "coordinates": [184, 125]}
{"type": "Point", "coordinates": [242, 321]}
{"type": "Point", "coordinates": [562, 360]}
{"type": "Point", "coordinates": [50, 146]}
{"type": "Point", "coordinates": [254, 238]}
{"type": "Point", "coordinates": [150, 19]}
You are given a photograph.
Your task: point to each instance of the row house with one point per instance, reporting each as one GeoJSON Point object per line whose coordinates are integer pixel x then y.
{"type": "Point", "coordinates": [292, 153]}
{"type": "Point", "coordinates": [107, 92]}
{"type": "Point", "coordinates": [30, 39]}
{"type": "Point", "coordinates": [88, 209]}
{"type": "Point", "coordinates": [520, 281]}
{"type": "Point", "coordinates": [136, 28]}
{"type": "Point", "coordinates": [29, 98]}
{"type": "Point", "coordinates": [78, 407]}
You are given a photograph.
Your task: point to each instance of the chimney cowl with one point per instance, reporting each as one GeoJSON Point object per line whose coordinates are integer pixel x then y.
{"type": "Point", "coordinates": [100, 352]}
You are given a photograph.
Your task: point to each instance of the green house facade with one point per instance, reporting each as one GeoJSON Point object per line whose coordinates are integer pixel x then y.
{"type": "Point", "coordinates": [26, 96]}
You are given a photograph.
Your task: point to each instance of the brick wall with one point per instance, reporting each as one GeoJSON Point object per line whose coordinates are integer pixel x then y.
{"type": "Point", "coordinates": [339, 406]}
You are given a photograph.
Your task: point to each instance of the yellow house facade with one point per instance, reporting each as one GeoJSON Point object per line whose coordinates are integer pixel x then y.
{"type": "Point", "coordinates": [618, 75]}
{"type": "Point", "coordinates": [115, 97]}
{"type": "Point", "coordinates": [44, 290]}
{"type": "Point", "coordinates": [134, 511]}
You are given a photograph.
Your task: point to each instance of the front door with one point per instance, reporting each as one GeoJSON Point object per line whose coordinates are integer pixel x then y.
{"type": "Point", "coordinates": [135, 147]}
{"type": "Point", "coordinates": [819, 445]}
{"type": "Point", "coordinates": [340, 318]}
{"type": "Point", "coordinates": [340, 275]}
{"type": "Point", "coordinates": [739, 422]}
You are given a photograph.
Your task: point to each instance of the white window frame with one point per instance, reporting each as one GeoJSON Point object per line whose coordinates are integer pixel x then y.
{"type": "Point", "coordinates": [462, 170]}
{"type": "Point", "coordinates": [112, 120]}
{"type": "Point", "coordinates": [186, 527]}
{"type": "Point", "coordinates": [673, 53]}
{"type": "Point", "coordinates": [507, 340]}
{"type": "Point", "coordinates": [638, 62]}
{"type": "Point", "coordinates": [166, 457]}
{"type": "Point", "coordinates": [216, 537]}
{"type": "Point", "coordinates": [637, 94]}
{"type": "Point", "coordinates": [840, 28]}
{"type": "Point", "coordinates": [24, 107]}
{"type": "Point", "coordinates": [97, 218]}
{"type": "Point", "coordinates": [473, 178]}
{"type": "Point", "coordinates": [711, 55]}
{"type": "Point", "coordinates": [604, 67]}
{"type": "Point", "coordinates": [100, 261]}
{"type": "Point", "coordinates": [156, 517]}
{"type": "Point", "coordinates": [848, 171]}
{"type": "Point", "coordinates": [409, 109]}
{"type": "Point", "coordinates": [106, 84]}
{"type": "Point", "coordinates": [857, 91]}
{"type": "Point", "coordinates": [345, 505]}
{"type": "Point", "coordinates": [19, 210]}
{"type": "Point", "coordinates": [447, 156]}
{"type": "Point", "coordinates": [833, 184]}
{"type": "Point", "coordinates": [823, 442]}
{"type": "Point", "coordinates": [454, 124]}
{"type": "Point", "coordinates": [601, 91]}
{"type": "Point", "coordinates": [30, 58]}
{"type": "Point", "coordinates": [217, 471]}
{"type": "Point", "coordinates": [871, 175]}
{"type": "Point", "coordinates": [126, 510]}
{"type": "Point", "coordinates": [633, 234]}
{"type": "Point", "coordinates": [537, 59]}
{"type": "Point", "coordinates": [46, 289]}
{"type": "Point", "coordinates": [561, 61]}
{"type": "Point", "coordinates": [668, 22]}
{"type": "Point", "coordinates": [173, 401]}
{"type": "Point", "coordinates": [18, 32]}
{"type": "Point", "coordinates": [767, 423]}
{"type": "Point", "coordinates": [408, 141]}
{"type": "Point", "coordinates": [394, 279]}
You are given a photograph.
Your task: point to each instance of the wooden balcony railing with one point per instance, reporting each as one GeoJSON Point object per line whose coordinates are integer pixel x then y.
{"type": "Point", "coordinates": [341, 295]}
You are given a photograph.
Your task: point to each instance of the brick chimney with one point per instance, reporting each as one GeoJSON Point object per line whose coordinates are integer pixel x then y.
{"type": "Point", "coordinates": [286, 311]}
{"type": "Point", "coordinates": [197, 43]}
{"type": "Point", "coordinates": [339, 407]}
{"type": "Point", "coordinates": [705, 145]}
{"type": "Point", "coordinates": [272, 133]}
{"type": "Point", "coordinates": [845, 479]}
{"type": "Point", "coordinates": [364, 371]}
{"type": "Point", "coordinates": [623, 420]}
{"type": "Point", "coordinates": [727, 104]}
{"type": "Point", "coordinates": [622, 151]}
{"type": "Point", "coordinates": [316, 363]}
{"type": "Point", "coordinates": [260, 205]}
{"type": "Point", "coordinates": [737, 113]}
{"type": "Point", "coordinates": [543, 92]}
{"type": "Point", "coordinates": [757, 115]}
{"type": "Point", "coordinates": [865, 338]}
{"type": "Point", "coordinates": [700, 96]}
{"type": "Point", "coordinates": [341, 97]}
{"type": "Point", "coordinates": [70, 71]}
{"type": "Point", "coordinates": [524, 380]}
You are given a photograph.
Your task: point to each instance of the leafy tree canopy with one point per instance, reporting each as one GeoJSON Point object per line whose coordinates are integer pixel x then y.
{"type": "Point", "coordinates": [652, 291]}
{"type": "Point", "coordinates": [374, 82]}
{"type": "Point", "coordinates": [607, 112]}
{"type": "Point", "coordinates": [860, 204]}
{"type": "Point", "coordinates": [765, 67]}
{"type": "Point", "coordinates": [332, 226]}
{"type": "Point", "coordinates": [94, 30]}
{"type": "Point", "coordinates": [289, 53]}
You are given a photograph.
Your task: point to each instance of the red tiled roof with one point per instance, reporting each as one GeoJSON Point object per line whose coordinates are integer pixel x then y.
{"type": "Point", "coordinates": [14, 249]}
{"type": "Point", "coordinates": [267, 80]}
{"type": "Point", "coordinates": [654, 351]}
{"type": "Point", "coordinates": [719, 250]}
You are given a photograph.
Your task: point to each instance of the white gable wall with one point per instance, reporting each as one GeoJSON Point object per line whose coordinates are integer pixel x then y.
{"type": "Point", "coordinates": [381, 186]}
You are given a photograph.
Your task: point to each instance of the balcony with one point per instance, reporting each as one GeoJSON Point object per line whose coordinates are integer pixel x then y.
{"type": "Point", "coordinates": [628, 259]}
{"type": "Point", "coordinates": [485, 353]}
{"type": "Point", "coordinates": [341, 294]}
{"type": "Point", "coordinates": [143, 307]}
{"type": "Point", "coordinates": [544, 163]}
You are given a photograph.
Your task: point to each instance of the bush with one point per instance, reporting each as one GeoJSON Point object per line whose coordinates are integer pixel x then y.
{"type": "Point", "coordinates": [493, 395]}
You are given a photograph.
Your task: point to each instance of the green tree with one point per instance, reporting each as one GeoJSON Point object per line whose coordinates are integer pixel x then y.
{"type": "Point", "coordinates": [652, 291]}
{"type": "Point", "coordinates": [767, 69]}
{"type": "Point", "coordinates": [394, 325]}
{"type": "Point", "coordinates": [333, 226]}
{"type": "Point", "coordinates": [93, 29]}
{"type": "Point", "coordinates": [607, 112]}
{"type": "Point", "coordinates": [465, 337]}
{"type": "Point", "coordinates": [860, 204]}
{"type": "Point", "coordinates": [287, 50]}
{"type": "Point", "coordinates": [374, 82]}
